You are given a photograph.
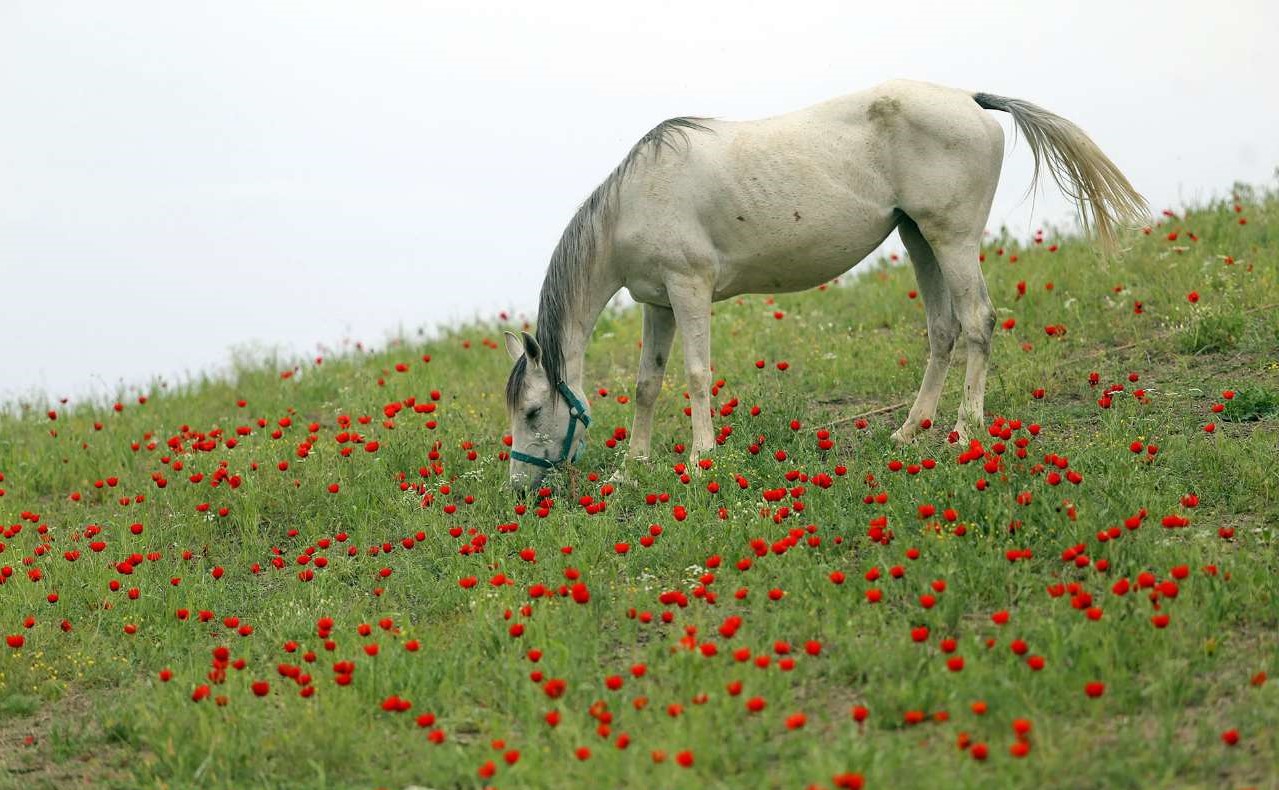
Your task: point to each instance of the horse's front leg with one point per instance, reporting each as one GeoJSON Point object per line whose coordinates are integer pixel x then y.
{"type": "Point", "coordinates": [659, 331]}
{"type": "Point", "coordinates": [691, 301]}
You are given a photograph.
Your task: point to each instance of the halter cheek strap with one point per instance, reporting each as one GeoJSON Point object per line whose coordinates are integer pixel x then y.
{"type": "Point", "coordinates": [577, 413]}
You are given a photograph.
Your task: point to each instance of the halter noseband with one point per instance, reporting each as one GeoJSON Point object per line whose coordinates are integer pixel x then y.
{"type": "Point", "coordinates": [577, 413]}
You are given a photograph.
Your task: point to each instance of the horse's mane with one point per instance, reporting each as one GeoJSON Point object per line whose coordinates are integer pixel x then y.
{"type": "Point", "coordinates": [568, 274]}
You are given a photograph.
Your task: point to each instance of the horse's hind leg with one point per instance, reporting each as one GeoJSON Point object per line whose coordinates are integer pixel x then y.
{"type": "Point", "coordinates": [961, 270]}
{"type": "Point", "coordinates": [943, 329]}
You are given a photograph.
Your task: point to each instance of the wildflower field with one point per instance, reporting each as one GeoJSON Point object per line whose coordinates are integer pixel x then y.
{"type": "Point", "coordinates": [313, 575]}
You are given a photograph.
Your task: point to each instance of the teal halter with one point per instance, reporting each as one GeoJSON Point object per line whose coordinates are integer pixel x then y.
{"type": "Point", "coordinates": [577, 413]}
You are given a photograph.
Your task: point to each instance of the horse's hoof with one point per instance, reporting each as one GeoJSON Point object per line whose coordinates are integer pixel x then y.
{"type": "Point", "coordinates": [901, 437]}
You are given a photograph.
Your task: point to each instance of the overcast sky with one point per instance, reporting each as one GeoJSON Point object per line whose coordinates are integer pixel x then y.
{"type": "Point", "coordinates": [177, 178]}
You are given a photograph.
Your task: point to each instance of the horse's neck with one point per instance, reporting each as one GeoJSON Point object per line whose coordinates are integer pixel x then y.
{"type": "Point", "coordinates": [579, 323]}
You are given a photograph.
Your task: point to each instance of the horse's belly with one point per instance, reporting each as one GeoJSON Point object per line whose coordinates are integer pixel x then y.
{"type": "Point", "coordinates": [791, 261]}
{"type": "Point", "coordinates": [779, 275]}
{"type": "Point", "coordinates": [794, 230]}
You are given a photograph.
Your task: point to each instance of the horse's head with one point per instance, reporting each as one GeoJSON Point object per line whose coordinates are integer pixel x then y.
{"type": "Point", "coordinates": [548, 419]}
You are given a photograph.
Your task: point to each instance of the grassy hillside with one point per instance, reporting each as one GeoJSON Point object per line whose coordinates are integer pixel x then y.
{"type": "Point", "coordinates": [313, 576]}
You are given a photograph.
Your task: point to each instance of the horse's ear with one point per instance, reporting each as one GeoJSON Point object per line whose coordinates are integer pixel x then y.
{"type": "Point", "coordinates": [531, 349]}
{"type": "Point", "coordinates": [514, 346]}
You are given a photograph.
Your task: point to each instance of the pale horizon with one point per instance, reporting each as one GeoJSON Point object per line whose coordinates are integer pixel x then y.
{"type": "Point", "coordinates": [185, 180]}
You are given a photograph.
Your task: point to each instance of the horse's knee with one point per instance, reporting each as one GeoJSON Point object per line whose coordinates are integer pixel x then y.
{"type": "Point", "coordinates": [942, 337]}
{"type": "Point", "coordinates": [699, 380]}
{"type": "Point", "coordinates": [646, 391]}
{"type": "Point", "coordinates": [979, 326]}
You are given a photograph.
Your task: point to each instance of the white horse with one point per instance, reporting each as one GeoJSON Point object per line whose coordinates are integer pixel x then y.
{"type": "Point", "coordinates": [702, 210]}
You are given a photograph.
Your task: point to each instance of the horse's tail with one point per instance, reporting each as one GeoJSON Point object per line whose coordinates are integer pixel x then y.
{"type": "Point", "coordinates": [1102, 195]}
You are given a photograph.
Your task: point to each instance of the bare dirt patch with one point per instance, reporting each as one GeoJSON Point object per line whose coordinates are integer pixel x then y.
{"type": "Point", "coordinates": [62, 745]}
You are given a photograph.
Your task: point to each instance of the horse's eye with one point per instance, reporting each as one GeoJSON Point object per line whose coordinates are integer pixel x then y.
{"type": "Point", "coordinates": [532, 414]}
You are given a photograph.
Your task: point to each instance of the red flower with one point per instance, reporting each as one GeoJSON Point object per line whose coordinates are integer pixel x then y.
{"type": "Point", "coordinates": [1094, 689]}
{"type": "Point", "coordinates": [555, 688]}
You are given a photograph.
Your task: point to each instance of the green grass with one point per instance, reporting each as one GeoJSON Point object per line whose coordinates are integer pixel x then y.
{"type": "Point", "coordinates": [1256, 403]}
{"type": "Point", "coordinates": [1211, 333]}
{"type": "Point", "coordinates": [87, 706]}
